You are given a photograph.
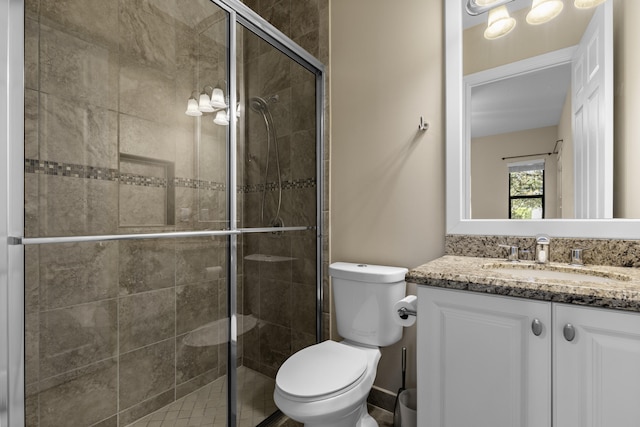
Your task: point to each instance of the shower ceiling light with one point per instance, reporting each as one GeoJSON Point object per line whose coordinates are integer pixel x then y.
{"type": "Point", "coordinates": [544, 11]}
{"type": "Point", "coordinates": [587, 4]}
{"type": "Point", "coordinates": [192, 107]}
{"type": "Point", "coordinates": [500, 23]}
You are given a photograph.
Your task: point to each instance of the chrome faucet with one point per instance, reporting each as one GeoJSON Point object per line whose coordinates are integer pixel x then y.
{"type": "Point", "coordinates": [576, 257]}
{"type": "Point", "coordinates": [513, 252]}
{"type": "Point", "coordinates": [542, 249]}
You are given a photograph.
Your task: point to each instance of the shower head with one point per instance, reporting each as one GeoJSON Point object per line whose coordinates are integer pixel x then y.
{"type": "Point", "coordinates": [261, 105]}
{"type": "Point", "coordinates": [258, 104]}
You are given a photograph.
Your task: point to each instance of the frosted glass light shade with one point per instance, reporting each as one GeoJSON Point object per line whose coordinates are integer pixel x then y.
{"type": "Point", "coordinates": [217, 99]}
{"type": "Point", "coordinates": [587, 4]}
{"type": "Point", "coordinates": [544, 11]}
{"type": "Point", "coordinates": [221, 118]}
{"type": "Point", "coordinates": [192, 108]}
{"type": "Point", "coordinates": [204, 104]}
{"type": "Point", "coordinates": [500, 23]}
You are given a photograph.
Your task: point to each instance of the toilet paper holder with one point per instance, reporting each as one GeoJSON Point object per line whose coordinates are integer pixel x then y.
{"type": "Point", "coordinates": [405, 312]}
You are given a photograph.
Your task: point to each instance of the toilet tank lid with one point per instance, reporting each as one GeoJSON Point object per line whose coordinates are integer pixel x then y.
{"type": "Point", "coordinates": [367, 272]}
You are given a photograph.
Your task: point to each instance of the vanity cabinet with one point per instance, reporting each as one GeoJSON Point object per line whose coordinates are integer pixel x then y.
{"type": "Point", "coordinates": [493, 361]}
{"type": "Point", "coordinates": [597, 373]}
{"type": "Point", "coordinates": [479, 362]}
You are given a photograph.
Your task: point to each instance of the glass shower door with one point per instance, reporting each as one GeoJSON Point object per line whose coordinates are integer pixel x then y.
{"type": "Point", "coordinates": [126, 213]}
{"type": "Point", "coordinates": [277, 207]}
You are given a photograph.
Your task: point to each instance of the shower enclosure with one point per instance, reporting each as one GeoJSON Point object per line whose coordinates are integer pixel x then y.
{"type": "Point", "coordinates": [161, 242]}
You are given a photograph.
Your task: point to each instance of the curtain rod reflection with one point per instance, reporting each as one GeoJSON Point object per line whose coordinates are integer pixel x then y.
{"type": "Point", "coordinates": [555, 151]}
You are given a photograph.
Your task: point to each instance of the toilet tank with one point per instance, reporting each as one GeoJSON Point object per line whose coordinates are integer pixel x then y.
{"type": "Point", "coordinates": [364, 296]}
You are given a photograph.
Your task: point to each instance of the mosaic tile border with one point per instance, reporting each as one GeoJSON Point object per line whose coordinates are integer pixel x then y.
{"type": "Point", "coordinates": [286, 185]}
{"type": "Point", "coordinates": [47, 167]}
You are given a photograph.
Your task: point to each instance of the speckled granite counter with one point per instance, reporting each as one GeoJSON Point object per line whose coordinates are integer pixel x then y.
{"type": "Point", "coordinates": [597, 286]}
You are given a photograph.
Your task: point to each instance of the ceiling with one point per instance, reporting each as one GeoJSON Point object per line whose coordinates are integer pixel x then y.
{"type": "Point", "coordinates": [528, 101]}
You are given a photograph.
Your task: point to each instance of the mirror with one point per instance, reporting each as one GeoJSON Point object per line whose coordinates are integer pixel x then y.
{"type": "Point", "coordinates": [459, 155]}
{"type": "Point", "coordinates": [521, 101]}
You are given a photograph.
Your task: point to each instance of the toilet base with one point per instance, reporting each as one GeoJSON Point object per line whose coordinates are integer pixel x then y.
{"type": "Point", "coordinates": [358, 418]}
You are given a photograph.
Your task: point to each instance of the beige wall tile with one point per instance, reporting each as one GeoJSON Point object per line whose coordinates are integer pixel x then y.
{"type": "Point", "coordinates": [77, 336]}
{"type": "Point", "coordinates": [145, 373]}
{"type": "Point", "coordinates": [146, 318]}
{"type": "Point", "coordinates": [76, 132]}
{"type": "Point", "coordinates": [76, 273]}
{"type": "Point", "coordinates": [76, 69]}
{"type": "Point", "coordinates": [92, 387]}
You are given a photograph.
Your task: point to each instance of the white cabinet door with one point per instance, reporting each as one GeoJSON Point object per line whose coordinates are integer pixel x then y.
{"type": "Point", "coordinates": [480, 363]}
{"type": "Point", "coordinates": [597, 374]}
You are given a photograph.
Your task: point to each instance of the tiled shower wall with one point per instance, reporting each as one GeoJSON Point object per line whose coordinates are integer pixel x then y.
{"type": "Point", "coordinates": [109, 150]}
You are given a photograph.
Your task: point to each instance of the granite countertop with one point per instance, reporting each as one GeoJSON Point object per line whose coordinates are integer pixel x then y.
{"type": "Point", "coordinates": [597, 286]}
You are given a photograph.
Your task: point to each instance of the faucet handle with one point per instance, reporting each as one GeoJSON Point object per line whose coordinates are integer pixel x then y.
{"type": "Point", "coordinates": [513, 252]}
{"type": "Point", "coordinates": [577, 256]}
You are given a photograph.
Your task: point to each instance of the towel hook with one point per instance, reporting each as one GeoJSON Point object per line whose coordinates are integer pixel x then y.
{"type": "Point", "coordinates": [423, 126]}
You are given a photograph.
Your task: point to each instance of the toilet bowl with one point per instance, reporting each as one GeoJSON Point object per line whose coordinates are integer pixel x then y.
{"type": "Point", "coordinates": [327, 384]}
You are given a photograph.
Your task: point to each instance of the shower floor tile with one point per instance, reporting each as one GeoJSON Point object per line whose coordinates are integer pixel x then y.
{"type": "Point", "coordinates": [208, 405]}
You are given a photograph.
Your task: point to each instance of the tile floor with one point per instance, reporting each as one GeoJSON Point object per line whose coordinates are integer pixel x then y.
{"type": "Point", "coordinates": [206, 407]}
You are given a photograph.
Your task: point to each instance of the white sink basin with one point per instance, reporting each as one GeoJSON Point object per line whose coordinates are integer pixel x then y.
{"type": "Point", "coordinates": [534, 272]}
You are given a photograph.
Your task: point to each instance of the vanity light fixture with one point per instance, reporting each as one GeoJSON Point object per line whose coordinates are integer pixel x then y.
{"type": "Point", "coordinates": [477, 7]}
{"type": "Point", "coordinates": [210, 104]}
{"type": "Point", "coordinates": [500, 23]}
{"type": "Point", "coordinates": [543, 11]}
{"type": "Point", "coordinates": [221, 118]}
{"type": "Point", "coordinates": [217, 98]}
{"type": "Point", "coordinates": [192, 107]}
{"type": "Point", "coordinates": [587, 4]}
{"type": "Point", "coordinates": [204, 103]}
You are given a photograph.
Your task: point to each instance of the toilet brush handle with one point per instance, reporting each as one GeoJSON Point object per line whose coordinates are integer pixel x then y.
{"type": "Point", "coordinates": [404, 365]}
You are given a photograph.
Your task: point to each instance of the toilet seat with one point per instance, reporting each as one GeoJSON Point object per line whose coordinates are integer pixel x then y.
{"type": "Point", "coordinates": [321, 371]}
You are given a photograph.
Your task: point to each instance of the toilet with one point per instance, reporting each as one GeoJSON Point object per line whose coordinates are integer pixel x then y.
{"type": "Point", "coordinates": [327, 384]}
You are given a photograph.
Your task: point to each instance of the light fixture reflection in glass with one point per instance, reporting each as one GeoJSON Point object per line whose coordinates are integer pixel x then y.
{"type": "Point", "coordinates": [221, 118]}
{"type": "Point", "coordinates": [500, 23]}
{"type": "Point", "coordinates": [587, 4]}
{"type": "Point", "coordinates": [204, 104]}
{"type": "Point", "coordinates": [217, 98]}
{"type": "Point", "coordinates": [192, 108]}
{"type": "Point", "coordinates": [544, 11]}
